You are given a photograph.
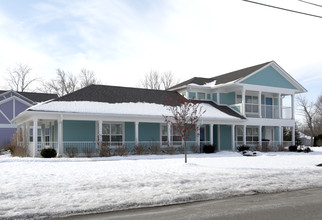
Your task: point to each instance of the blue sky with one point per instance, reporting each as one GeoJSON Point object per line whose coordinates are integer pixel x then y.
{"type": "Point", "coordinates": [122, 40]}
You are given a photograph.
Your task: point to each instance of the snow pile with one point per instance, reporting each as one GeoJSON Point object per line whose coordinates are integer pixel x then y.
{"type": "Point", "coordinates": [37, 188]}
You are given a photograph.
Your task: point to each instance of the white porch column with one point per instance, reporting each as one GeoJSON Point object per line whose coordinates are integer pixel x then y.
{"type": "Point", "coordinates": [260, 135]}
{"type": "Point", "coordinates": [136, 133]}
{"type": "Point", "coordinates": [211, 134]}
{"type": "Point", "coordinates": [243, 111]}
{"type": "Point", "coordinates": [60, 136]}
{"type": "Point", "coordinates": [218, 136]}
{"type": "Point", "coordinates": [293, 135]}
{"type": "Point", "coordinates": [169, 133]}
{"type": "Point", "coordinates": [35, 137]}
{"type": "Point", "coordinates": [198, 135]}
{"type": "Point", "coordinates": [293, 111]}
{"type": "Point", "coordinates": [279, 106]}
{"type": "Point", "coordinates": [100, 132]}
{"type": "Point", "coordinates": [260, 103]}
{"type": "Point", "coordinates": [244, 134]}
{"type": "Point", "coordinates": [280, 134]}
{"type": "Point", "coordinates": [233, 137]}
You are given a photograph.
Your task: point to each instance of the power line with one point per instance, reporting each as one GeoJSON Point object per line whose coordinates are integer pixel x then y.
{"type": "Point", "coordinates": [285, 9]}
{"type": "Point", "coordinates": [311, 3]}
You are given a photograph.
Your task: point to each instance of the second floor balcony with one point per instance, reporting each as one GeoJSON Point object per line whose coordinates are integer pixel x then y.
{"type": "Point", "coordinates": [264, 111]}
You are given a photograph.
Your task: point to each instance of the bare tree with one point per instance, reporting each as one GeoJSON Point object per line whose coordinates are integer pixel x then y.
{"type": "Point", "coordinates": [155, 80]}
{"type": "Point", "coordinates": [167, 80]}
{"type": "Point", "coordinates": [87, 77]}
{"type": "Point", "coordinates": [318, 121]}
{"type": "Point", "coordinates": [308, 111]}
{"type": "Point", "coordinates": [20, 77]}
{"type": "Point", "coordinates": [184, 118]}
{"type": "Point", "coordinates": [64, 83]}
{"type": "Point", "coordinates": [151, 80]}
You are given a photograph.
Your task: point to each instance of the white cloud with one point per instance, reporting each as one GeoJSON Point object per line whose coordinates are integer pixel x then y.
{"type": "Point", "coordinates": [123, 40]}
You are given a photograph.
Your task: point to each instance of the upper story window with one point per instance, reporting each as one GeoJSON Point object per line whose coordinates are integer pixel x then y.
{"type": "Point", "coordinates": [251, 104]}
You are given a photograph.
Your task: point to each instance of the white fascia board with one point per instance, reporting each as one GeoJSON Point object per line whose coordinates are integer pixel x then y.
{"type": "Point", "coordinates": [17, 99]}
{"type": "Point", "coordinates": [268, 89]}
{"type": "Point", "coordinates": [290, 78]}
{"type": "Point", "coordinates": [270, 122]}
{"type": "Point", "coordinates": [30, 115]}
{"type": "Point", "coordinates": [8, 126]}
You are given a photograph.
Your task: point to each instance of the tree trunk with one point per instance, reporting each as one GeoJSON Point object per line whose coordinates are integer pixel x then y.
{"type": "Point", "coordinates": [185, 151]}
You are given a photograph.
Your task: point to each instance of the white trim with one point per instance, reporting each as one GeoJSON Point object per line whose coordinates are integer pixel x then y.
{"type": "Point", "coordinates": [4, 115]}
{"type": "Point", "coordinates": [287, 76]}
{"type": "Point", "coordinates": [218, 136]}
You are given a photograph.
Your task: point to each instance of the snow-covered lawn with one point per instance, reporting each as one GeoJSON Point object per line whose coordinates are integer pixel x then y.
{"type": "Point", "coordinates": [37, 188]}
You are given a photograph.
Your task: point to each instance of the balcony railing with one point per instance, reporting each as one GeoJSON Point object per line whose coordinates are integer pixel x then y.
{"type": "Point", "coordinates": [267, 111]}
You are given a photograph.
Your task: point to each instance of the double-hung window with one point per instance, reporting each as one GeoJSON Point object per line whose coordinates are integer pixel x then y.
{"type": "Point", "coordinates": [174, 135]}
{"type": "Point", "coordinates": [252, 134]}
{"type": "Point", "coordinates": [112, 133]}
{"type": "Point", "coordinates": [251, 104]}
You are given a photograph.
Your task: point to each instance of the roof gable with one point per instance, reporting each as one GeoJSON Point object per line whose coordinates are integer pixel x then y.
{"type": "Point", "coordinates": [269, 76]}
{"type": "Point", "coordinates": [29, 97]}
{"type": "Point", "coordinates": [222, 79]}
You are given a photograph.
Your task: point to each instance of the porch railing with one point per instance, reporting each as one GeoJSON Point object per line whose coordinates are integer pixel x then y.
{"type": "Point", "coordinates": [93, 148]}
{"type": "Point", "coordinates": [265, 145]}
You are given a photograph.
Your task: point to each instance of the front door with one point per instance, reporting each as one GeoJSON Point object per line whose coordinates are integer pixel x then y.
{"type": "Point", "coordinates": [269, 107]}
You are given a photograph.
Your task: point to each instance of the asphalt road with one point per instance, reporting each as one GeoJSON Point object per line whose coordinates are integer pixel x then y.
{"type": "Point", "coordinates": [303, 204]}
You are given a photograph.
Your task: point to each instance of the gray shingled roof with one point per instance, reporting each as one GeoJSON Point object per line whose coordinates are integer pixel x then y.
{"type": "Point", "coordinates": [116, 94]}
{"type": "Point", "coordinates": [35, 96]}
{"type": "Point", "coordinates": [225, 78]}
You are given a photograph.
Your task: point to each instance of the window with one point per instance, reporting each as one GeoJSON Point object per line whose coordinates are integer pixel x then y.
{"type": "Point", "coordinates": [47, 135]}
{"type": "Point", "coordinates": [201, 95]}
{"type": "Point", "coordinates": [239, 99]}
{"type": "Point", "coordinates": [175, 135]}
{"type": "Point", "coordinates": [251, 104]}
{"type": "Point", "coordinates": [31, 133]}
{"type": "Point", "coordinates": [239, 133]}
{"type": "Point", "coordinates": [252, 134]}
{"type": "Point", "coordinates": [112, 132]}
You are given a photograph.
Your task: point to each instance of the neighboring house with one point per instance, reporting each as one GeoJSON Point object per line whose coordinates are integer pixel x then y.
{"type": "Point", "coordinates": [13, 103]}
{"type": "Point", "coordinates": [242, 107]}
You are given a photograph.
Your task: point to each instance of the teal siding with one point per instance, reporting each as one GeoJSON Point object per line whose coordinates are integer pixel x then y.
{"type": "Point", "coordinates": [192, 95]}
{"type": "Point", "coordinates": [56, 132]}
{"type": "Point", "coordinates": [192, 136]}
{"type": "Point", "coordinates": [215, 133]}
{"type": "Point", "coordinates": [207, 132]}
{"type": "Point", "coordinates": [269, 77]}
{"type": "Point", "coordinates": [129, 130]}
{"type": "Point", "coordinates": [227, 98]}
{"type": "Point", "coordinates": [225, 137]}
{"type": "Point", "coordinates": [276, 134]}
{"type": "Point", "coordinates": [214, 97]}
{"type": "Point", "coordinates": [263, 132]}
{"type": "Point", "coordinates": [149, 131]}
{"type": "Point", "coordinates": [79, 130]}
